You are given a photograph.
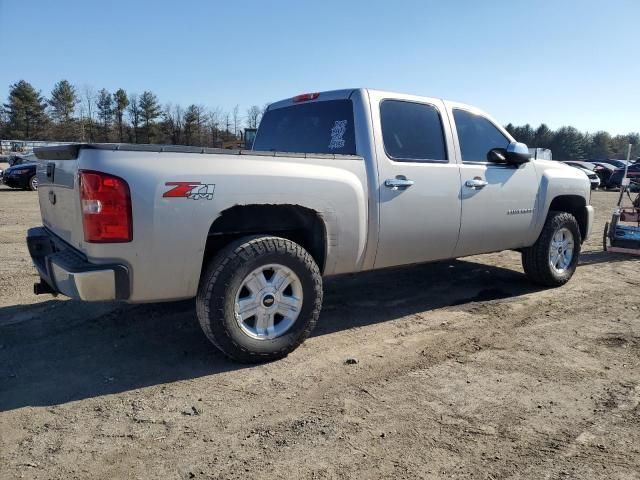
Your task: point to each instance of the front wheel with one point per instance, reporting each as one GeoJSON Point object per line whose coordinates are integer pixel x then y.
{"type": "Point", "coordinates": [259, 298]}
{"type": "Point", "coordinates": [553, 259]}
{"type": "Point", "coordinates": [33, 183]}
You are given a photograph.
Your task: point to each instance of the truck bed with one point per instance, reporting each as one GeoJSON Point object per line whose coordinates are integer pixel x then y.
{"type": "Point", "coordinates": [70, 151]}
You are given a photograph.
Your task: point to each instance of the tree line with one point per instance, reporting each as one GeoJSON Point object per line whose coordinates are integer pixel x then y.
{"type": "Point", "coordinates": [568, 143]}
{"type": "Point", "coordinates": [82, 114]}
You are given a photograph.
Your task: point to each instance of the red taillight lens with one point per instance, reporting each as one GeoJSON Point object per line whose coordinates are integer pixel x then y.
{"type": "Point", "coordinates": [106, 208]}
{"type": "Point", "coordinates": [305, 97]}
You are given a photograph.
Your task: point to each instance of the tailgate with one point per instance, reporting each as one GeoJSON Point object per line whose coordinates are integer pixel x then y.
{"type": "Point", "coordinates": [58, 191]}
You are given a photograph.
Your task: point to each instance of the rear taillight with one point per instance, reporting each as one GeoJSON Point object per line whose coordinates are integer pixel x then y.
{"type": "Point", "coordinates": [106, 208]}
{"type": "Point", "coordinates": [305, 97]}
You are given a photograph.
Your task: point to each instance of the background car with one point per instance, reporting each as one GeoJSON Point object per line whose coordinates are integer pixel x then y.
{"type": "Point", "coordinates": [604, 171]}
{"type": "Point", "coordinates": [613, 161]}
{"type": "Point", "coordinates": [633, 173]}
{"type": "Point", "coordinates": [590, 173]}
{"type": "Point", "coordinates": [21, 175]}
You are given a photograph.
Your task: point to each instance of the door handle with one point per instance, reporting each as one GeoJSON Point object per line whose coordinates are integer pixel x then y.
{"type": "Point", "coordinates": [398, 183]}
{"type": "Point", "coordinates": [476, 183]}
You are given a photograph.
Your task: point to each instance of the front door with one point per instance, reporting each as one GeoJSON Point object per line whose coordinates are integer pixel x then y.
{"type": "Point", "coordinates": [419, 181]}
{"type": "Point", "coordinates": [498, 200]}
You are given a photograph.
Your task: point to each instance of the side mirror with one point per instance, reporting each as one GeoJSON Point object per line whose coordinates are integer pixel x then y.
{"type": "Point", "coordinates": [517, 153]}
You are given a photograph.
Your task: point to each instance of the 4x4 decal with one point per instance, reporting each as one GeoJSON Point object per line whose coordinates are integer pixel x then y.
{"type": "Point", "coordinates": [192, 190]}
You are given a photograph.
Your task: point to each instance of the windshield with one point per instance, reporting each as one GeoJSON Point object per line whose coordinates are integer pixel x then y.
{"type": "Point", "coordinates": [317, 127]}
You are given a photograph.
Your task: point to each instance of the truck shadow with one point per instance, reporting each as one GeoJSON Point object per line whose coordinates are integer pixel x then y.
{"type": "Point", "coordinates": [58, 351]}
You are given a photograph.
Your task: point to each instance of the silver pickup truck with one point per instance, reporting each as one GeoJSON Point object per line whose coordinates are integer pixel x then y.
{"type": "Point", "coordinates": [337, 182]}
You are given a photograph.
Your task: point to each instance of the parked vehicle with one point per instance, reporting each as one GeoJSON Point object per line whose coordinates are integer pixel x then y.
{"type": "Point", "coordinates": [604, 171]}
{"type": "Point", "coordinates": [633, 173]}
{"type": "Point", "coordinates": [20, 159]}
{"type": "Point", "coordinates": [591, 174]}
{"type": "Point", "coordinates": [21, 175]}
{"type": "Point", "coordinates": [339, 182]}
{"type": "Point", "coordinates": [616, 163]}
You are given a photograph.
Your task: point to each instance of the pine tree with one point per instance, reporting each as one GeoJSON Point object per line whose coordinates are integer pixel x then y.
{"type": "Point", "coordinates": [25, 110]}
{"type": "Point", "coordinates": [121, 103]}
{"type": "Point", "coordinates": [524, 134]}
{"type": "Point", "coordinates": [105, 112]}
{"type": "Point", "coordinates": [149, 112]}
{"type": "Point", "coordinates": [568, 144]}
{"type": "Point", "coordinates": [542, 137]}
{"type": "Point", "coordinates": [599, 146]}
{"type": "Point", "coordinates": [63, 103]}
{"type": "Point", "coordinates": [510, 128]}
{"type": "Point", "coordinates": [134, 115]}
{"type": "Point", "coordinates": [190, 122]}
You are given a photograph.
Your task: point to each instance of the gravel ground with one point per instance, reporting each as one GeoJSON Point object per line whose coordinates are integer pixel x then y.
{"type": "Point", "coordinates": [458, 369]}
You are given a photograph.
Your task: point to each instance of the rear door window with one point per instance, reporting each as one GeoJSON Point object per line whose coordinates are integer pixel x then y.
{"type": "Point", "coordinates": [412, 132]}
{"type": "Point", "coordinates": [315, 127]}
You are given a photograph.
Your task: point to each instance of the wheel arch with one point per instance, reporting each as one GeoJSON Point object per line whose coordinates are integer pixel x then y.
{"type": "Point", "coordinates": [297, 223]}
{"type": "Point", "coordinates": [576, 206]}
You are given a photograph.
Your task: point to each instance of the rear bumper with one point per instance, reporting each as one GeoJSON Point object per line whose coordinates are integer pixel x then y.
{"type": "Point", "coordinates": [67, 271]}
{"type": "Point", "coordinates": [590, 214]}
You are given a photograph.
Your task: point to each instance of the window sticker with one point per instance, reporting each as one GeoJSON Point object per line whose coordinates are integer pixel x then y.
{"type": "Point", "coordinates": [337, 134]}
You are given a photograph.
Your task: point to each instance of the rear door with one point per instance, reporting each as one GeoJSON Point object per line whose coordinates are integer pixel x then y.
{"type": "Point", "coordinates": [418, 180]}
{"type": "Point", "coordinates": [498, 200]}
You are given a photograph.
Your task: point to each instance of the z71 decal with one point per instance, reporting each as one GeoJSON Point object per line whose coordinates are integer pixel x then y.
{"type": "Point", "coordinates": [192, 190]}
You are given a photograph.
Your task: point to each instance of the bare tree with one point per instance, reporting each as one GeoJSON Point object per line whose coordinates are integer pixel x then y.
{"type": "Point", "coordinates": [227, 123]}
{"type": "Point", "coordinates": [235, 115]}
{"type": "Point", "coordinates": [173, 115]}
{"type": "Point", "coordinates": [213, 124]}
{"type": "Point", "coordinates": [253, 116]}
{"type": "Point", "coordinates": [134, 115]}
{"type": "Point", "coordinates": [89, 99]}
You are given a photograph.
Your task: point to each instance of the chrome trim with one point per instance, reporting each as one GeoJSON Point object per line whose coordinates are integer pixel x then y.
{"type": "Point", "coordinates": [476, 183]}
{"type": "Point", "coordinates": [95, 285]}
{"type": "Point", "coordinates": [398, 183]}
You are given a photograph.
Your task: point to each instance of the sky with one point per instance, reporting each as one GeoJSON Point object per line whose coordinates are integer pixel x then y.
{"type": "Point", "coordinates": [561, 62]}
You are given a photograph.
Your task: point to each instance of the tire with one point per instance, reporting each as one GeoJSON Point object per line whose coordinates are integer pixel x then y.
{"type": "Point", "coordinates": [230, 279]}
{"type": "Point", "coordinates": [33, 183]}
{"type": "Point", "coordinates": [537, 259]}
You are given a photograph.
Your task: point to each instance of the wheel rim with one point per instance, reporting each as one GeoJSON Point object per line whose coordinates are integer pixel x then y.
{"type": "Point", "coordinates": [561, 250]}
{"type": "Point", "coordinates": [268, 302]}
{"type": "Point", "coordinates": [34, 183]}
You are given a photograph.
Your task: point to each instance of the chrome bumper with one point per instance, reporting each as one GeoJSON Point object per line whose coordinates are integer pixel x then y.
{"type": "Point", "coordinates": [590, 215]}
{"type": "Point", "coordinates": [65, 270]}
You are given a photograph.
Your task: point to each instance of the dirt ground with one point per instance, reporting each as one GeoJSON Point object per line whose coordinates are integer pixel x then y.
{"type": "Point", "coordinates": [464, 370]}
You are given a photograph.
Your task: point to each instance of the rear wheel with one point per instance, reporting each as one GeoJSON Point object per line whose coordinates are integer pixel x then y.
{"type": "Point", "coordinates": [553, 259]}
{"type": "Point", "coordinates": [33, 183]}
{"type": "Point", "coordinates": [259, 298]}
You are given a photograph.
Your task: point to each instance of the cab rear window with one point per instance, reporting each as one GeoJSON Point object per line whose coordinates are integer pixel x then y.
{"type": "Point", "coordinates": [316, 127]}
